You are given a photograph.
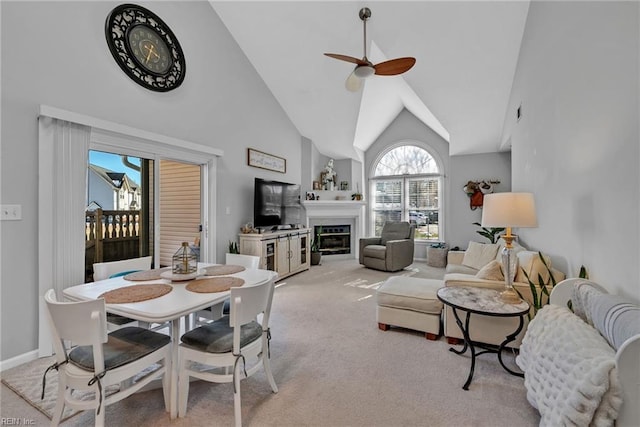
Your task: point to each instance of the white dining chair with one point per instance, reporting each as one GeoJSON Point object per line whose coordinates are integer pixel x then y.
{"type": "Point", "coordinates": [95, 359]}
{"type": "Point", "coordinates": [217, 311]}
{"type": "Point", "coordinates": [106, 270]}
{"type": "Point", "coordinates": [248, 261]}
{"type": "Point", "coordinates": [239, 343]}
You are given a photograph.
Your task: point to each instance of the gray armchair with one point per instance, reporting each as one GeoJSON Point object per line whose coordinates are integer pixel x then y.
{"type": "Point", "coordinates": [392, 251]}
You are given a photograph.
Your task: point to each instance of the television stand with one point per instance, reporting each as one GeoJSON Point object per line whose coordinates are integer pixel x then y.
{"type": "Point", "coordinates": [286, 251]}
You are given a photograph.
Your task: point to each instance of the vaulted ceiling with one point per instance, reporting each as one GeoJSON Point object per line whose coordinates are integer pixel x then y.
{"type": "Point", "coordinates": [466, 52]}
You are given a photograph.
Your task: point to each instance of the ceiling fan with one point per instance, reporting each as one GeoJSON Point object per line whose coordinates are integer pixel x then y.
{"type": "Point", "coordinates": [365, 68]}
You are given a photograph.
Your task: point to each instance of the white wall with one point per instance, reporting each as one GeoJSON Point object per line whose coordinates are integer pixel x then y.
{"type": "Point", "coordinates": [55, 53]}
{"type": "Point", "coordinates": [577, 144]}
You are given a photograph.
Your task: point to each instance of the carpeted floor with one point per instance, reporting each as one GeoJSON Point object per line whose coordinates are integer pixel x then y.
{"type": "Point", "coordinates": [333, 367]}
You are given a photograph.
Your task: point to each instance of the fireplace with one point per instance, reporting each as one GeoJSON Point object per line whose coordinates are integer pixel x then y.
{"type": "Point", "coordinates": [333, 239]}
{"type": "Point", "coordinates": [338, 213]}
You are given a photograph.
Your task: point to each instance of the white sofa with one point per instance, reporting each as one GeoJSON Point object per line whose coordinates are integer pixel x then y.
{"type": "Point", "coordinates": [582, 365]}
{"type": "Point", "coordinates": [474, 267]}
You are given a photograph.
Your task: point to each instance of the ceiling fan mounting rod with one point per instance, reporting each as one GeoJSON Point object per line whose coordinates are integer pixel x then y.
{"type": "Point", "coordinates": [365, 14]}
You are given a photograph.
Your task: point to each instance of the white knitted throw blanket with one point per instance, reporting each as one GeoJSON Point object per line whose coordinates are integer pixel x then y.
{"type": "Point", "coordinates": [570, 372]}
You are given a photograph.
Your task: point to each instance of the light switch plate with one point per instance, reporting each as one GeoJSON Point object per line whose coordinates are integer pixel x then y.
{"type": "Point", "coordinates": [10, 212]}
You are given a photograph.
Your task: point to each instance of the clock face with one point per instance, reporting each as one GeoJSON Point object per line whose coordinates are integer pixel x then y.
{"type": "Point", "coordinates": [145, 48]}
{"type": "Point", "coordinates": [149, 49]}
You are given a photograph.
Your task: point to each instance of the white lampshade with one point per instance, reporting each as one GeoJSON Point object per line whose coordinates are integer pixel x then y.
{"type": "Point", "coordinates": [509, 210]}
{"type": "Point", "coordinates": [353, 83]}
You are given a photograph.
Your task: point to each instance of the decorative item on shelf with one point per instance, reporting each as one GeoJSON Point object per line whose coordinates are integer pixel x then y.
{"type": "Point", "coordinates": [316, 185]}
{"type": "Point", "coordinates": [248, 228]}
{"type": "Point", "coordinates": [357, 195]}
{"type": "Point", "coordinates": [476, 191]}
{"type": "Point", "coordinates": [509, 210]}
{"type": "Point", "coordinates": [311, 195]}
{"type": "Point", "coordinates": [184, 261]}
{"type": "Point", "coordinates": [328, 177]}
{"type": "Point", "coordinates": [344, 185]}
{"type": "Point", "coordinates": [233, 247]}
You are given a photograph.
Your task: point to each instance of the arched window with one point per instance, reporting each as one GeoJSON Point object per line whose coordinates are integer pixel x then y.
{"type": "Point", "coordinates": [406, 185]}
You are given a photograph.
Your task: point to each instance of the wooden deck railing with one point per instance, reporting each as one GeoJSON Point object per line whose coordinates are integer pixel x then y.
{"type": "Point", "coordinates": [111, 235]}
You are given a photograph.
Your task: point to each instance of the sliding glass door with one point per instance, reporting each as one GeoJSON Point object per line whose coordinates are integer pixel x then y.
{"type": "Point", "coordinates": [121, 215]}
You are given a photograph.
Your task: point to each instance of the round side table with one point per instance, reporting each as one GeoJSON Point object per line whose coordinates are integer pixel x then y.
{"type": "Point", "coordinates": [486, 302]}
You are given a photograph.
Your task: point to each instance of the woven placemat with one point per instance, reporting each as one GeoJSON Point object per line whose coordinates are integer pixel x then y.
{"type": "Point", "coordinates": [214, 284]}
{"type": "Point", "coordinates": [221, 270]}
{"type": "Point", "coordinates": [141, 276]}
{"type": "Point", "coordinates": [136, 293]}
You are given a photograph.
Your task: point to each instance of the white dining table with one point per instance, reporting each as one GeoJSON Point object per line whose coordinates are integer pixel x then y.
{"type": "Point", "coordinates": [173, 306]}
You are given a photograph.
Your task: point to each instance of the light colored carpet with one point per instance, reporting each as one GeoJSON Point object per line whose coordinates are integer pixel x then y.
{"type": "Point", "coordinates": [334, 367]}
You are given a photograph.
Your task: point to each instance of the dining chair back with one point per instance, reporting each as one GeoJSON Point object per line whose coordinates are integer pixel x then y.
{"type": "Point", "coordinates": [239, 343]}
{"type": "Point", "coordinates": [247, 261]}
{"type": "Point", "coordinates": [105, 270]}
{"type": "Point", "coordinates": [94, 359]}
{"type": "Point", "coordinates": [216, 311]}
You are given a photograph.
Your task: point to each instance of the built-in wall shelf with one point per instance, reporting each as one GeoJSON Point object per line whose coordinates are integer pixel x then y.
{"type": "Point", "coordinates": [332, 195]}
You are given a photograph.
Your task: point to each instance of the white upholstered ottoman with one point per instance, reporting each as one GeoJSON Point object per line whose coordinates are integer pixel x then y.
{"type": "Point", "coordinates": [410, 302]}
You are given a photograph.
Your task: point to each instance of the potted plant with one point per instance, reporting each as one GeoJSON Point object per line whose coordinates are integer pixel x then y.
{"type": "Point", "coordinates": [357, 195]}
{"type": "Point", "coordinates": [493, 233]}
{"type": "Point", "coordinates": [233, 247]}
{"type": "Point", "coordinates": [316, 255]}
{"type": "Point", "coordinates": [541, 299]}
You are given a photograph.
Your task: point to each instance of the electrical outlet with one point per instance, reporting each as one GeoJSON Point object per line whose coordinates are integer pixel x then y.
{"type": "Point", "coordinates": [10, 212]}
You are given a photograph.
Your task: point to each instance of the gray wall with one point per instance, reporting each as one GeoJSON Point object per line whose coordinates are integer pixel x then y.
{"type": "Point", "coordinates": [576, 146]}
{"type": "Point", "coordinates": [54, 53]}
{"type": "Point", "coordinates": [472, 167]}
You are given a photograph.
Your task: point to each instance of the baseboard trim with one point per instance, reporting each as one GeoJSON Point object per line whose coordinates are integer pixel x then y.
{"type": "Point", "coordinates": [18, 360]}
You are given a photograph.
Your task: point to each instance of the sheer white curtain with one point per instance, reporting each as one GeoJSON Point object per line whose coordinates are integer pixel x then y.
{"type": "Point", "coordinates": [62, 183]}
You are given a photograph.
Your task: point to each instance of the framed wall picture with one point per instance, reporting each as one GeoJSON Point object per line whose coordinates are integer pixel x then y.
{"type": "Point", "coordinates": [258, 159]}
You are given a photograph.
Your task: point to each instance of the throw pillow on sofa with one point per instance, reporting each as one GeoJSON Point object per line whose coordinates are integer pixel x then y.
{"type": "Point", "coordinates": [478, 255]}
{"type": "Point", "coordinates": [530, 262]}
{"type": "Point", "coordinates": [491, 271]}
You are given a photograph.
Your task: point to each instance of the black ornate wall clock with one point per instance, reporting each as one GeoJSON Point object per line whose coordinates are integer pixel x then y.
{"type": "Point", "coordinates": [145, 47]}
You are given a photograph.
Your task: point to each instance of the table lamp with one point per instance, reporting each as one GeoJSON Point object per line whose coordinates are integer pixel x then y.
{"type": "Point", "coordinates": [509, 210]}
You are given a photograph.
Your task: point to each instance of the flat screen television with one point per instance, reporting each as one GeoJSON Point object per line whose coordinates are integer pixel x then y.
{"type": "Point", "coordinates": [276, 204]}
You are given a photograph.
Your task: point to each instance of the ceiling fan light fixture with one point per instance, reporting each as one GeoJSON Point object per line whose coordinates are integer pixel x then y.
{"type": "Point", "coordinates": [364, 71]}
{"type": "Point", "coordinates": [353, 83]}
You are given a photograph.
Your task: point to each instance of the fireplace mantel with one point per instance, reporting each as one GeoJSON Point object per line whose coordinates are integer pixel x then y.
{"type": "Point", "coordinates": [335, 209]}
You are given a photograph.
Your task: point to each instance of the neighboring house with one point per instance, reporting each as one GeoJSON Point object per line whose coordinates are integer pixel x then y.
{"type": "Point", "coordinates": [111, 190]}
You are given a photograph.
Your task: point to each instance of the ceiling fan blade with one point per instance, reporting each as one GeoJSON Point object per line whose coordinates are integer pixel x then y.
{"type": "Point", "coordinates": [394, 66]}
{"type": "Point", "coordinates": [353, 83]}
{"type": "Point", "coordinates": [346, 58]}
